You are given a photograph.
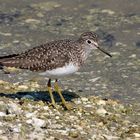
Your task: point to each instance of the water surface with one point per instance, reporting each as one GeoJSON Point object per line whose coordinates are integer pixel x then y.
{"type": "Point", "coordinates": [25, 24]}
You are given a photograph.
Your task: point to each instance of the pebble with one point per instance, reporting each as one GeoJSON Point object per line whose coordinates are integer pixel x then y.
{"type": "Point", "coordinates": [3, 82]}
{"type": "Point", "coordinates": [84, 99]}
{"type": "Point", "coordinates": [1, 132]}
{"type": "Point", "coordinates": [46, 121]}
{"type": "Point", "coordinates": [28, 97]}
{"type": "Point", "coordinates": [16, 130]}
{"type": "Point", "coordinates": [35, 21]}
{"type": "Point", "coordinates": [116, 53]}
{"type": "Point", "coordinates": [57, 117]}
{"type": "Point", "coordinates": [94, 79]}
{"type": "Point", "coordinates": [13, 108]}
{"type": "Point", "coordinates": [101, 111]}
{"type": "Point", "coordinates": [5, 34]}
{"type": "Point", "coordinates": [137, 135]}
{"type": "Point", "coordinates": [78, 101]}
{"type": "Point", "coordinates": [2, 114]}
{"type": "Point", "coordinates": [108, 137]}
{"type": "Point", "coordinates": [29, 115]}
{"type": "Point", "coordinates": [73, 134]}
{"type": "Point", "coordinates": [89, 106]}
{"type": "Point", "coordinates": [93, 137]}
{"type": "Point", "coordinates": [108, 11]}
{"type": "Point", "coordinates": [1, 123]}
{"type": "Point", "coordinates": [55, 126]}
{"type": "Point", "coordinates": [36, 122]}
{"type": "Point", "coordinates": [22, 87]}
{"type": "Point", "coordinates": [3, 137]}
{"type": "Point", "coordinates": [101, 102]}
{"type": "Point", "coordinates": [132, 56]}
{"type": "Point", "coordinates": [46, 108]}
{"type": "Point", "coordinates": [16, 41]}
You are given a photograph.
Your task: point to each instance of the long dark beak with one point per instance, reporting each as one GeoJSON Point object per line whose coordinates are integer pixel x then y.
{"type": "Point", "coordinates": [102, 50]}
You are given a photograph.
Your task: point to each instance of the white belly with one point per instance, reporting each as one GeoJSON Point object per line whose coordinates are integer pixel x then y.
{"type": "Point", "coordinates": [62, 71]}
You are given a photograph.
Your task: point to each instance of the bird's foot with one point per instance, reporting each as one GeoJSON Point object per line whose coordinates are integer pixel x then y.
{"type": "Point", "coordinates": [54, 105]}
{"type": "Point", "coordinates": [67, 106]}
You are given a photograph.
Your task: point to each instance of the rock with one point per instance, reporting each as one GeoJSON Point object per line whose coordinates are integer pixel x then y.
{"type": "Point", "coordinates": [73, 134]}
{"type": "Point", "coordinates": [3, 138]}
{"type": "Point", "coordinates": [22, 87]}
{"type": "Point", "coordinates": [2, 114]}
{"type": "Point", "coordinates": [46, 108]}
{"type": "Point", "coordinates": [47, 6]}
{"type": "Point", "coordinates": [16, 129]}
{"type": "Point", "coordinates": [137, 135]}
{"type": "Point", "coordinates": [57, 117]}
{"type": "Point", "coordinates": [13, 108]}
{"type": "Point", "coordinates": [108, 11]}
{"type": "Point", "coordinates": [1, 132]}
{"type": "Point", "coordinates": [108, 137]}
{"type": "Point", "coordinates": [33, 21]}
{"type": "Point", "coordinates": [133, 56]}
{"type": "Point", "coordinates": [5, 34]}
{"type": "Point", "coordinates": [84, 99]}
{"type": "Point", "coordinates": [101, 102]}
{"type": "Point", "coordinates": [36, 122]}
{"type": "Point", "coordinates": [94, 79]}
{"type": "Point", "coordinates": [101, 111]}
{"type": "Point", "coordinates": [29, 115]}
{"type": "Point", "coordinates": [1, 124]}
{"type": "Point", "coordinates": [28, 97]}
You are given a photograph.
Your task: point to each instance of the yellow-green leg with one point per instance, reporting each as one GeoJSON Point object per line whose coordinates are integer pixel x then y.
{"type": "Point", "coordinates": [51, 95]}
{"type": "Point", "coordinates": [58, 89]}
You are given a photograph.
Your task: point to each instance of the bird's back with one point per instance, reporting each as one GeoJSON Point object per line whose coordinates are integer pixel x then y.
{"type": "Point", "coordinates": [41, 58]}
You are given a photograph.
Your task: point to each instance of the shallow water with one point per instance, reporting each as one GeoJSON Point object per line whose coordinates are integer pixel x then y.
{"type": "Point", "coordinates": [25, 24]}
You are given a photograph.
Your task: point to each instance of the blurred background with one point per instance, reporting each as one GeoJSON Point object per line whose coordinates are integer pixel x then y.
{"type": "Point", "coordinates": [25, 24]}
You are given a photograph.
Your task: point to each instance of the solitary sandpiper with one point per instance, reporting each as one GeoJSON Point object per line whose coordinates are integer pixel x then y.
{"type": "Point", "coordinates": [55, 59]}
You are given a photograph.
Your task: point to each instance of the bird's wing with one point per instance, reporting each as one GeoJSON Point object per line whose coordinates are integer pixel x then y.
{"type": "Point", "coordinates": [41, 58]}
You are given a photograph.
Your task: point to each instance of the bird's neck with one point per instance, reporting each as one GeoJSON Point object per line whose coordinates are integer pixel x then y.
{"type": "Point", "coordinates": [86, 51]}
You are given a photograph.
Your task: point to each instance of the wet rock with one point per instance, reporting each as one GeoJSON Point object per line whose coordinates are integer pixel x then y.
{"type": "Point", "coordinates": [8, 17]}
{"type": "Point", "coordinates": [47, 6]}
{"type": "Point", "coordinates": [28, 97]}
{"type": "Point", "coordinates": [32, 21]}
{"type": "Point", "coordinates": [5, 34]}
{"type": "Point", "coordinates": [94, 79]}
{"type": "Point", "coordinates": [133, 56]}
{"type": "Point", "coordinates": [108, 39]}
{"type": "Point", "coordinates": [110, 12]}
{"type": "Point", "coordinates": [138, 44]}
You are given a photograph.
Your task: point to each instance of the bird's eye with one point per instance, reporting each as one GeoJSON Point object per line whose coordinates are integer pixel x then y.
{"type": "Point", "coordinates": [88, 41]}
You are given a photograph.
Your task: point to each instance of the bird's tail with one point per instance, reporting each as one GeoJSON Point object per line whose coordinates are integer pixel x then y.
{"type": "Point", "coordinates": [1, 65]}
{"type": "Point", "coordinates": [7, 61]}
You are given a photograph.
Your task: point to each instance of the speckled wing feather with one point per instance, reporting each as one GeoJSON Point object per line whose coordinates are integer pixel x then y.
{"type": "Point", "coordinates": [45, 57]}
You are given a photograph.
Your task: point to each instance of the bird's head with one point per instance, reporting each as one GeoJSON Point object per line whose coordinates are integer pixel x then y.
{"type": "Point", "coordinates": [90, 40]}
